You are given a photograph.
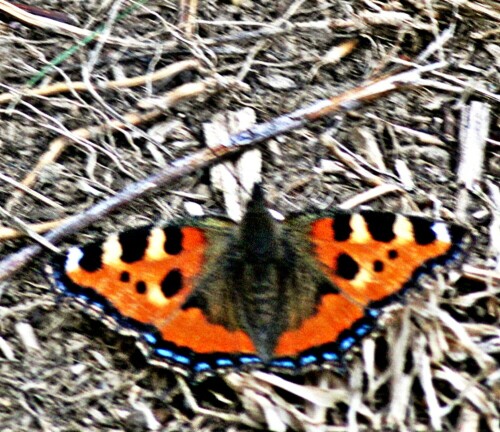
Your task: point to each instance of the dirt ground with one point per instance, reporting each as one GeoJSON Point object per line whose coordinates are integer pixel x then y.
{"type": "Point", "coordinates": [432, 148]}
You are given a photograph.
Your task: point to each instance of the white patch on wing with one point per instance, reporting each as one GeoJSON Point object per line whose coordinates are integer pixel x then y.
{"type": "Point", "coordinates": [156, 243]}
{"type": "Point", "coordinates": [442, 232]}
{"type": "Point", "coordinates": [156, 297]}
{"type": "Point", "coordinates": [403, 229]}
{"type": "Point", "coordinates": [363, 277]}
{"type": "Point", "coordinates": [112, 250]}
{"type": "Point", "coordinates": [360, 233]}
{"type": "Point", "coordinates": [73, 258]}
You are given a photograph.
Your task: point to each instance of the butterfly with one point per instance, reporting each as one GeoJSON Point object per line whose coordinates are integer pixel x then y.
{"type": "Point", "coordinates": [206, 295]}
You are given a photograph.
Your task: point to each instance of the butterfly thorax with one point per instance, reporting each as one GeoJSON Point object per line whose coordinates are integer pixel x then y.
{"type": "Point", "coordinates": [262, 281]}
{"type": "Point", "coordinates": [259, 287]}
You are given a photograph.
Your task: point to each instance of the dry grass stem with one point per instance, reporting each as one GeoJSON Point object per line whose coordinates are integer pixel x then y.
{"type": "Point", "coordinates": [22, 226]}
{"type": "Point", "coordinates": [7, 350]}
{"type": "Point", "coordinates": [165, 73]}
{"type": "Point", "coordinates": [371, 195]}
{"type": "Point", "coordinates": [191, 400]}
{"type": "Point", "coordinates": [347, 159]}
{"type": "Point", "coordinates": [494, 192]}
{"type": "Point", "coordinates": [187, 16]}
{"type": "Point", "coordinates": [367, 145]}
{"type": "Point", "coordinates": [28, 337]}
{"type": "Point", "coordinates": [487, 7]}
{"type": "Point", "coordinates": [333, 55]}
{"type": "Point", "coordinates": [207, 87]}
{"type": "Point", "coordinates": [474, 129]}
{"type": "Point", "coordinates": [26, 189]}
{"type": "Point", "coordinates": [7, 233]}
{"type": "Point", "coordinates": [61, 27]}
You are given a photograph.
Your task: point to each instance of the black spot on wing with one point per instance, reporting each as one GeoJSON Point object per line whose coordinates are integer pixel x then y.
{"type": "Point", "coordinates": [341, 227]}
{"type": "Point", "coordinates": [378, 266]}
{"type": "Point", "coordinates": [91, 260]}
{"type": "Point", "coordinates": [173, 242]}
{"type": "Point", "coordinates": [346, 267]}
{"type": "Point", "coordinates": [172, 283]}
{"type": "Point", "coordinates": [392, 254]}
{"type": "Point", "coordinates": [134, 244]}
{"type": "Point", "coordinates": [422, 230]}
{"type": "Point", "coordinates": [140, 287]}
{"type": "Point", "coordinates": [380, 225]}
{"type": "Point", "coordinates": [125, 276]}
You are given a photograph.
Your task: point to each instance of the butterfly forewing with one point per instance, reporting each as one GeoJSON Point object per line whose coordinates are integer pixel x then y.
{"type": "Point", "coordinates": [145, 276]}
{"type": "Point", "coordinates": [371, 256]}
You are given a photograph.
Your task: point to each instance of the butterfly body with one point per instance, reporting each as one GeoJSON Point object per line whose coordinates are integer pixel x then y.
{"type": "Point", "coordinates": [209, 294]}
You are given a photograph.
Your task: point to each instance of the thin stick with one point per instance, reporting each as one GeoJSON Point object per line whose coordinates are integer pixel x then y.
{"type": "Point", "coordinates": [30, 191]}
{"type": "Point", "coordinates": [333, 145]}
{"type": "Point", "coordinates": [188, 10]}
{"type": "Point", "coordinates": [80, 86]}
{"type": "Point", "coordinates": [370, 195]}
{"type": "Point", "coordinates": [26, 229]}
{"type": "Point", "coordinates": [7, 233]}
{"type": "Point", "coordinates": [60, 27]}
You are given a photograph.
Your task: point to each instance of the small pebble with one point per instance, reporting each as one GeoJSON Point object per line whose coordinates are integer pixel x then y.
{"type": "Point", "coordinates": [278, 82]}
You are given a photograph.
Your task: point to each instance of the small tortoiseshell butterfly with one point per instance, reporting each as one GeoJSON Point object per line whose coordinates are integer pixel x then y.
{"type": "Point", "coordinates": [208, 294]}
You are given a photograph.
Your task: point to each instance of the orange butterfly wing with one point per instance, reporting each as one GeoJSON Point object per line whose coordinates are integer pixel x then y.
{"type": "Point", "coordinates": [372, 256]}
{"type": "Point", "coordinates": [139, 280]}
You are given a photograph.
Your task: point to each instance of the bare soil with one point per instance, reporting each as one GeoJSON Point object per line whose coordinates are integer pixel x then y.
{"type": "Point", "coordinates": [75, 374]}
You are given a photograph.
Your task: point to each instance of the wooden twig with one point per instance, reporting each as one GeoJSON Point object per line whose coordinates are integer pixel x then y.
{"type": "Point", "coordinates": [7, 233]}
{"type": "Point", "coordinates": [162, 74]}
{"type": "Point", "coordinates": [47, 13]}
{"type": "Point", "coordinates": [188, 10]}
{"type": "Point", "coordinates": [205, 157]}
{"type": "Point", "coordinates": [474, 130]}
{"type": "Point", "coordinates": [60, 27]}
